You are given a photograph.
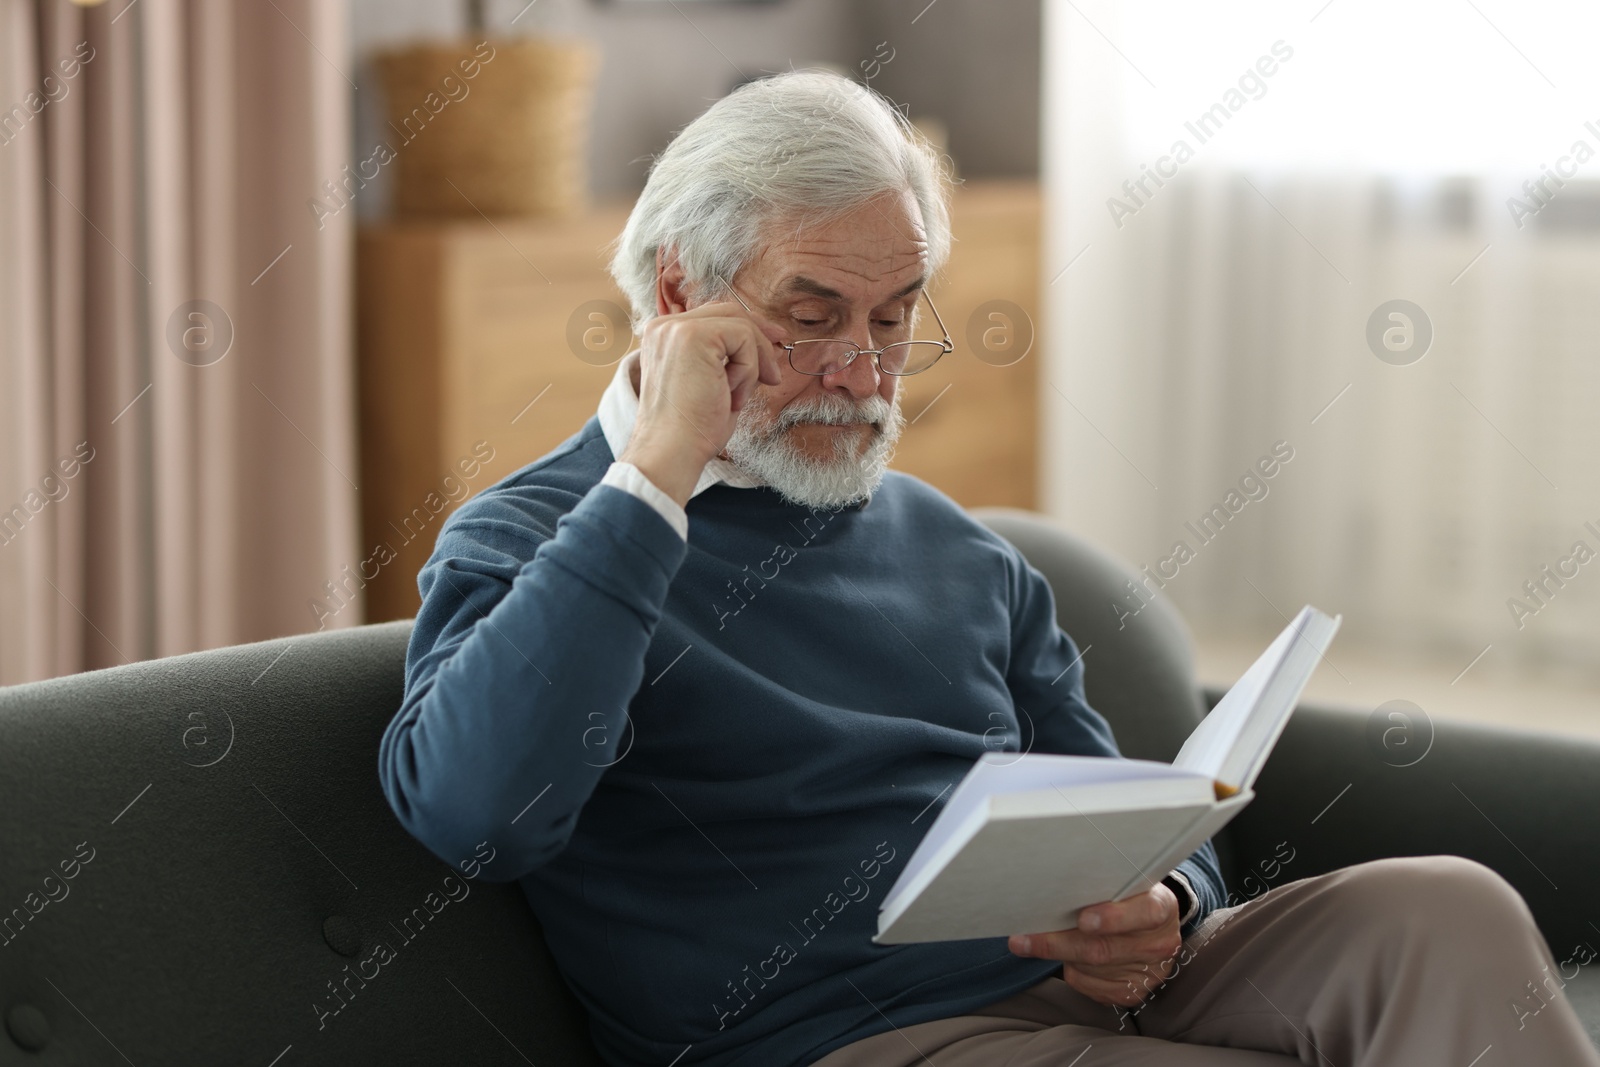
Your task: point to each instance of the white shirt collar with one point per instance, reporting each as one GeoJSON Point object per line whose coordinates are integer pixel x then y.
{"type": "Point", "coordinates": [619, 409]}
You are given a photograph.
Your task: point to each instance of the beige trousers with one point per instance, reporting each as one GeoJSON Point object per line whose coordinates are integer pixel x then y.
{"type": "Point", "coordinates": [1414, 962]}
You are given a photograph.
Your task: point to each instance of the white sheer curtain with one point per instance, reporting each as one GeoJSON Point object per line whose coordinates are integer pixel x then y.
{"type": "Point", "coordinates": [1229, 312]}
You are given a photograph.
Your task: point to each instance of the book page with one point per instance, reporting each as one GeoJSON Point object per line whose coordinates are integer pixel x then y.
{"type": "Point", "coordinates": [1263, 728]}
{"type": "Point", "coordinates": [1208, 745]}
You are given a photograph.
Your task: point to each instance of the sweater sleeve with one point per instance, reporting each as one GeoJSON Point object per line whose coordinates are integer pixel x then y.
{"type": "Point", "coordinates": [1046, 681]}
{"type": "Point", "coordinates": [525, 642]}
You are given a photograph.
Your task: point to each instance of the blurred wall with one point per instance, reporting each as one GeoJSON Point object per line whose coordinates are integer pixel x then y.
{"type": "Point", "coordinates": [975, 67]}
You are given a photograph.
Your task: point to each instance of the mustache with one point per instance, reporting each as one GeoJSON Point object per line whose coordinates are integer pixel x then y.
{"type": "Point", "coordinates": [834, 411]}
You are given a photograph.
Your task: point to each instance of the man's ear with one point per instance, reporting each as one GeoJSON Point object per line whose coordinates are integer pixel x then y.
{"type": "Point", "coordinates": [671, 297]}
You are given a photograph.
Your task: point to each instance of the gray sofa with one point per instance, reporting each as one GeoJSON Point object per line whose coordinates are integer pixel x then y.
{"type": "Point", "coordinates": [197, 864]}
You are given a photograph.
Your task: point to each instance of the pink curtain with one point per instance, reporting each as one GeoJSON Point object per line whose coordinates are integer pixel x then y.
{"type": "Point", "coordinates": [162, 487]}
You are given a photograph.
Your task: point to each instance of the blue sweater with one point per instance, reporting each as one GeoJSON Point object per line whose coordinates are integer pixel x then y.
{"type": "Point", "coordinates": [707, 763]}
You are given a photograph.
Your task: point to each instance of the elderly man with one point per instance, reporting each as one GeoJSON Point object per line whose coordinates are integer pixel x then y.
{"type": "Point", "coordinates": [700, 677]}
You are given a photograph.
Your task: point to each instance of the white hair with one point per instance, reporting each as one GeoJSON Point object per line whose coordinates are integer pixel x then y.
{"type": "Point", "coordinates": [807, 143]}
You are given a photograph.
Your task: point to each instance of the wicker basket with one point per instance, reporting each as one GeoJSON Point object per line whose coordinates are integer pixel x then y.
{"type": "Point", "coordinates": [508, 141]}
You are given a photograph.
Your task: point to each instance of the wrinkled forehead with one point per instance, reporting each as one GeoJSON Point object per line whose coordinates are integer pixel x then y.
{"type": "Point", "coordinates": [804, 285]}
{"type": "Point", "coordinates": [874, 253]}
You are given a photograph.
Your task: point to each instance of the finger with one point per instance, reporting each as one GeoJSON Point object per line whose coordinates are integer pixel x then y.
{"type": "Point", "coordinates": [1126, 992]}
{"type": "Point", "coordinates": [741, 384]}
{"type": "Point", "coordinates": [766, 350]}
{"type": "Point", "coordinates": [729, 343]}
{"type": "Point", "coordinates": [751, 360]}
{"type": "Point", "coordinates": [766, 346]}
{"type": "Point", "coordinates": [1075, 946]}
{"type": "Point", "coordinates": [1126, 989]}
{"type": "Point", "coordinates": [729, 333]}
{"type": "Point", "coordinates": [1147, 910]}
{"type": "Point", "coordinates": [747, 368]}
{"type": "Point", "coordinates": [1154, 973]}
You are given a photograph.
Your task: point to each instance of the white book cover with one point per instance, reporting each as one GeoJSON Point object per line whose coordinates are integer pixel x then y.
{"type": "Point", "coordinates": [1025, 842]}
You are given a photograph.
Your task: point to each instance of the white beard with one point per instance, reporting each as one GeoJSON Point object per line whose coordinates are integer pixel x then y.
{"type": "Point", "coordinates": [765, 451]}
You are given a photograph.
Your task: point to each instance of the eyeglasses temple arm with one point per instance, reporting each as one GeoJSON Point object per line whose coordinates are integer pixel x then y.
{"type": "Point", "coordinates": [948, 344]}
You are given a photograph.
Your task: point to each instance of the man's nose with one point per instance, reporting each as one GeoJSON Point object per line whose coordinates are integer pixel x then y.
{"type": "Point", "coordinates": [860, 376]}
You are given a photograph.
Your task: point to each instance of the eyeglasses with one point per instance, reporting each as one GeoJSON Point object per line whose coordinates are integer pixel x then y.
{"type": "Point", "coordinates": [828, 355]}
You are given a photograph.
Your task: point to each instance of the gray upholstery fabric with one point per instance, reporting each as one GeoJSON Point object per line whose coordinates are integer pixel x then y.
{"type": "Point", "coordinates": [231, 801]}
{"type": "Point", "coordinates": [243, 854]}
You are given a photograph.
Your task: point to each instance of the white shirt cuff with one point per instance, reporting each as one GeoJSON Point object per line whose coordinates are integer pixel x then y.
{"type": "Point", "coordinates": [631, 479]}
{"type": "Point", "coordinates": [1194, 898]}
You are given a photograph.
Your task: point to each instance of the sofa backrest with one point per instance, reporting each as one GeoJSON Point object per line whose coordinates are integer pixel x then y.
{"type": "Point", "coordinates": [197, 865]}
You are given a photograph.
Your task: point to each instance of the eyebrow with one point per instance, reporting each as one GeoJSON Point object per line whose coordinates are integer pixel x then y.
{"type": "Point", "coordinates": [799, 283]}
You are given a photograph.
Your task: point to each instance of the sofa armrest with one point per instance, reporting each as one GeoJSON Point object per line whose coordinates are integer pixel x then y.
{"type": "Point", "coordinates": [1526, 804]}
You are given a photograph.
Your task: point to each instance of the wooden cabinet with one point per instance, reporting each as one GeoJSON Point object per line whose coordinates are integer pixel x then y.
{"type": "Point", "coordinates": [466, 373]}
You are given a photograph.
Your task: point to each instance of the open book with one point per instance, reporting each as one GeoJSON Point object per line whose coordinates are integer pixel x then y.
{"type": "Point", "coordinates": [1026, 840]}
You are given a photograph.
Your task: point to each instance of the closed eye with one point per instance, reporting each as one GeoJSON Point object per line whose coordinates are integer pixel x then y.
{"type": "Point", "coordinates": [811, 324]}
